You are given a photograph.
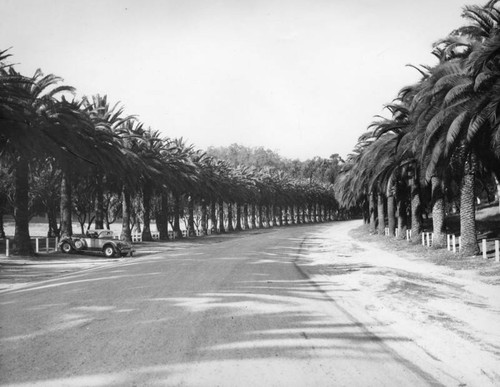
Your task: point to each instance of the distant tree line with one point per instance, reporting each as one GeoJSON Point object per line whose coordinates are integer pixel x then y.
{"type": "Point", "coordinates": [317, 169]}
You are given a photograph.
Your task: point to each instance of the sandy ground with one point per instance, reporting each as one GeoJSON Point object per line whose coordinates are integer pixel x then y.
{"type": "Point", "coordinates": [452, 315]}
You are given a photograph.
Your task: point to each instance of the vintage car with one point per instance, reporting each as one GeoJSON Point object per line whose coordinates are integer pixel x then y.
{"type": "Point", "coordinates": [96, 240]}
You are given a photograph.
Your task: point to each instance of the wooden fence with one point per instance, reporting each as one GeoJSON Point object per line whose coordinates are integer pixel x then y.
{"type": "Point", "coordinates": [490, 248]}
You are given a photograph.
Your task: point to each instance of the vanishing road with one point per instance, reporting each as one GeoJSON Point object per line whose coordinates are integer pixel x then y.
{"type": "Point", "coordinates": [235, 310]}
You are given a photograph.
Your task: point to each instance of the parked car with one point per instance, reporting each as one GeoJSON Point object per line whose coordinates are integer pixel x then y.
{"type": "Point", "coordinates": [97, 241]}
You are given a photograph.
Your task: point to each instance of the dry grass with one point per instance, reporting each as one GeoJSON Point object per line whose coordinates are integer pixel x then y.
{"type": "Point", "coordinates": [488, 224]}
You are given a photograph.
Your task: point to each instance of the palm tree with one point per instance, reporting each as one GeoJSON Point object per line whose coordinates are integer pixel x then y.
{"type": "Point", "coordinates": [465, 125]}
{"type": "Point", "coordinates": [35, 124]}
{"type": "Point", "coordinates": [106, 119]}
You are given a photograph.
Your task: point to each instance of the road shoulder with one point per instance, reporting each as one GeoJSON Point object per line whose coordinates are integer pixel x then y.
{"type": "Point", "coordinates": [451, 315]}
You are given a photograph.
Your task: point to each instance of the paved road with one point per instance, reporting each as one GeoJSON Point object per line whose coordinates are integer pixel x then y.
{"type": "Point", "coordinates": [233, 310]}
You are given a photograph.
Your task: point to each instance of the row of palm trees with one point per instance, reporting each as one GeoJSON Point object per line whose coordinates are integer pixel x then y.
{"type": "Point", "coordinates": [441, 142]}
{"type": "Point", "coordinates": [70, 153]}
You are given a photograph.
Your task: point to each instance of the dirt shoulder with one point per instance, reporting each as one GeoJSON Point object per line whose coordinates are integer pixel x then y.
{"type": "Point", "coordinates": [448, 306]}
{"type": "Point", "coordinates": [485, 270]}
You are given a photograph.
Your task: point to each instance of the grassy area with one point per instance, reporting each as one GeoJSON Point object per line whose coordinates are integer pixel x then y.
{"type": "Point", "coordinates": [488, 224]}
{"type": "Point", "coordinates": [39, 227]}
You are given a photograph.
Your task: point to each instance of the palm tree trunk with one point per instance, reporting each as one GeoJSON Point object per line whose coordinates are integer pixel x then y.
{"type": "Point", "coordinates": [391, 218]}
{"type": "Point", "coordinates": [286, 216]}
{"type": "Point", "coordinates": [498, 190]}
{"type": "Point", "coordinates": [304, 213]}
{"type": "Point", "coordinates": [190, 230]}
{"type": "Point", "coordinates": [126, 234]}
{"type": "Point", "coordinates": [366, 212]}
{"type": "Point", "coordinates": [381, 214]}
{"type": "Point", "coordinates": [254, 225]}
{"type": "Point", "coordinates": [99, 202]}
{"type": "Point", "coordinates": [268, 216]}
{"type": "Point", "coordinates": [371, 206]}
{"type": "Point", "coordinates": [2, 229]}
{"type": "Point", "coordinates": [177, 216]}
{"type": "Point", "coordinates": [230, 227]}
{"type": "Point", "coordinates": [246, 225]}
{"type": "Point", "coordinates": [213, 217]}
{"type": "Point", "coordinates": [146, 203]}
{"type": "Point", "coordinates": [204, 217]}
{"type": "Point", "coordinates": [22, 244]}
{"type": "Point", "coordinates": [416, 211]}
{"type": "Point", "coordinates": [52, 220]}
{"type": "Point", "coordinates": [238, 217]}
{"type": "Point", "coordinates": [292, 214]}
{"type": "Point", "coordinates": [162, 217]}
{"type": "Point", "coordinates": [274, 214]}
{"type": "Point", "coordinates": [261, 216]}
{"type": "Point", "coordinates": [221, 216]}
{"type": "Point", "coordinates": [439, 236]}
{"type": "Point", "coordinates": [66, 221]}
{"type": "Point", "coordinates": [468, 208]}
{"type": "Point", "coordinates": [402, 218]}
{"type": "Point", "coordinates": [280, 216]}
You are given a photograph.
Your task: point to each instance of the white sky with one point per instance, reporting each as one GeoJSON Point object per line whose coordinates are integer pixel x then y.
{"type": "Point", "coordinates": [302, 77]}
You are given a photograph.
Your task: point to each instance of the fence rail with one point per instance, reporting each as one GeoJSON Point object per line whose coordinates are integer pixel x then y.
{"type": "Point", "coordinates": [39, 245]}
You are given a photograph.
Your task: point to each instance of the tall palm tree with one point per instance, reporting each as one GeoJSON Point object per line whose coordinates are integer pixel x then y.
{"type": "Point", "coordinates": [107, 119]}
{"type": "Point", "coordinates": [465, 125]}
{"type": "Point", "coordinates": [36, 123]}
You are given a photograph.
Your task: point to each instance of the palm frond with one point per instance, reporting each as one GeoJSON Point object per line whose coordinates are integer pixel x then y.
{"type": "Point", "coordinates": [454, 131]}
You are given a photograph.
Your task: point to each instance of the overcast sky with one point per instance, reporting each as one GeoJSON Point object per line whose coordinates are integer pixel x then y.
{"type": "Point", "coordinates": [302, 77]}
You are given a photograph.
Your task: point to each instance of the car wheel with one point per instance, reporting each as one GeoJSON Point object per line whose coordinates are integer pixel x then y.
{"type": "Point", "coordinates": [109, 251]}
{"type": "Point", "coordinates": [131, 253]}
{"type": "Point", "coordinates": [66, 248]}
{"type": "Point", "coordinates": [79, 244]}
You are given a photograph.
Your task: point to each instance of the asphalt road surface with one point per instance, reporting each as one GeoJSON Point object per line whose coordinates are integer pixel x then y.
{"type": "Point", "coordinates": [235, 310]}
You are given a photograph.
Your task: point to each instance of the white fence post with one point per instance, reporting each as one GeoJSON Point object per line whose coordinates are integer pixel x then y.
{"type": "Point", "coordinates": [47, 245]}
{"type": "Point", "coordinates": [7, 248]}
{"type": "Point", "coordinates": [485, 256]}
{"type": "Point", "coordinates": [459, 243]}
{"type": "Point", "coordinates": [454, 243]}
{"type": "Point", "coordinates": [429, 236]}
{"type": "Point", "coordinates": [497, 251]}
{"type": "Point", "coordinates": [448, 242]}
{"type": "Point", "coordinates": [37, 245]}
{"type": "Point", "coordinates": [423, 239]}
